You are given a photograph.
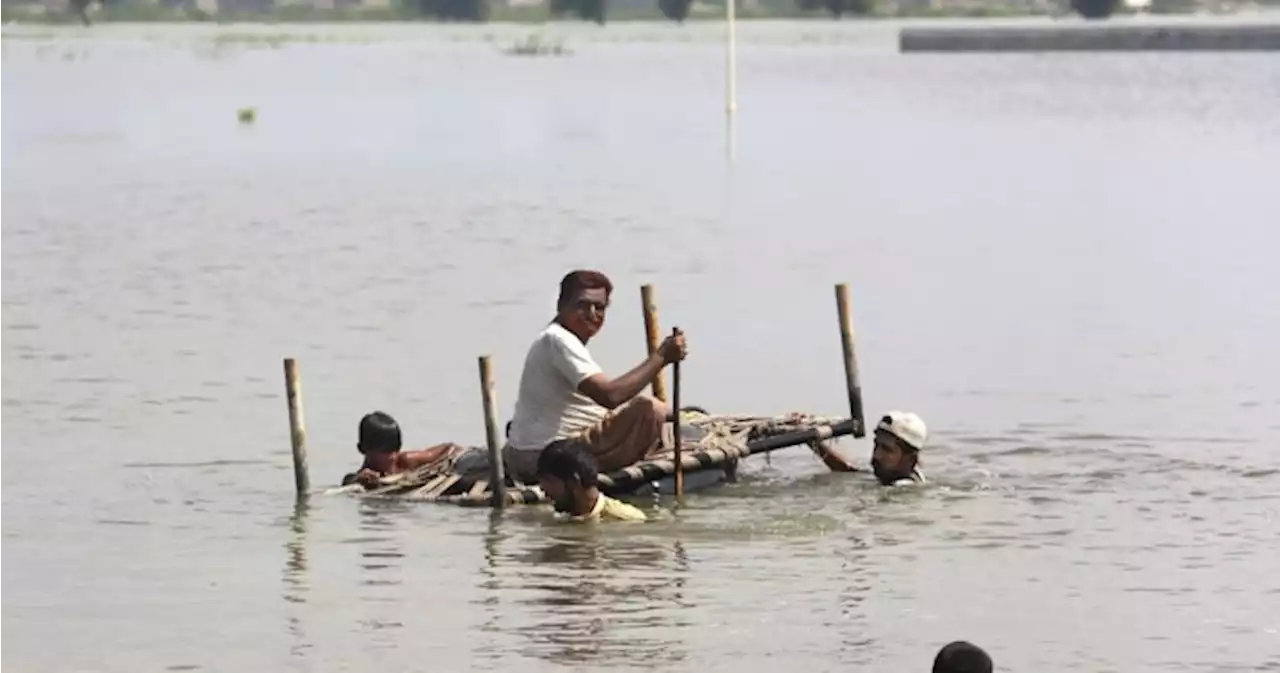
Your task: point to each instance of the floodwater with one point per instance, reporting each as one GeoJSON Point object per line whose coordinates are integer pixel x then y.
{"type": "Point", "coordinates": [1065, 263]}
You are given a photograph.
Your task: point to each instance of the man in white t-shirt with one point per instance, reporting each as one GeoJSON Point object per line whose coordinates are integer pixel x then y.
{"type": "Point", "coordinates": [564, 394]}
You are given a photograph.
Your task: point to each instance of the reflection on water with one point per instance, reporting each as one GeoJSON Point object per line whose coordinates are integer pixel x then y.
{"type": "Point", "coordinates": [297, 585]}
{"type": "Point", "coordinates": [295, 566]}
{"type": "Point", "coordinates": [852, 583]}
{"type": "Point", "coordinates": [587, 595]}
{"type": "Point", "coordinates": [382, 573]}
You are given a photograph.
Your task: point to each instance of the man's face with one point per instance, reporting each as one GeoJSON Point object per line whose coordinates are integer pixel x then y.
{"type": "Point", "coordinates": [890, 460]}
{"type": "Point", "coordinates": [562, 497]}
{"type": "Point", "coordinates": [585, 314]}
{"type": "Point", "coordinates": [380, 461]}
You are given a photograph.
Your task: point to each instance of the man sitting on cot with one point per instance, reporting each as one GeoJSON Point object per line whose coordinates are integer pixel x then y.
{"type": "Point", "coordinates": [895, 456]}
{"type": "Point", "coordinates": [380, 444]}
{"type": "Point", "coordinates": [564, 394]}
{"type": "Point", "coordinates": [567, 474]}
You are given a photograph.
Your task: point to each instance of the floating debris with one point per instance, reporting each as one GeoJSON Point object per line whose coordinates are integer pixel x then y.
{"type": "Point", "coordinates": [535, 45]}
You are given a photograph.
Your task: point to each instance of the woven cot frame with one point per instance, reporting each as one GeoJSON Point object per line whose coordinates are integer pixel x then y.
{"type": "Point", "coordinates": [725, 438]}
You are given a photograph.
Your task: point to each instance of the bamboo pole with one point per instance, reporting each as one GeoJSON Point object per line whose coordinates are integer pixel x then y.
{"type": "Point", "coordinates": [731, 60]}
{"type": "Point", "coordinates": [497, 478]}
{"type": "Point", "coordinates": [297, 427]}
{"type": "Point", "coordinates": [851, 382]}
{"type": "Point", "coordinates": [675, 403]}
{"type": "Point", "coordinates": [730, 75]}
{"type": "Point", "coordinates": [652, 332]}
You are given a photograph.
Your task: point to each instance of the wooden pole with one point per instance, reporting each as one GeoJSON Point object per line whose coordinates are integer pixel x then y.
{"type": "Point", "coordinates": [497, 476]}
{"type": "Point", "coordinates": [851, 382]}
{"type": "Point", "coordinates": [297, 427]}
{"type": "Point", "coordinates": [731, 61]}
{"type": "Point", "coordinates": [675, 403]}
{"type": "Point", "coordinates": [651, 332]}
{"type": "Point", "coordinates": [730, 76]}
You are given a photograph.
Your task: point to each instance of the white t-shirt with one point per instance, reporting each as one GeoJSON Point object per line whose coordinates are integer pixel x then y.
{"type": "Point", "coordinates": [917, 477]}
{"type": "Point", "coordinates": [549, 406]}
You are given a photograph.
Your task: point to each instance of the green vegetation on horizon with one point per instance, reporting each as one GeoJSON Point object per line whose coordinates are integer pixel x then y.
{"type": "Point", "coordinates": [469, 11]}
{"type": "Point", "coordinates": [599, 11]}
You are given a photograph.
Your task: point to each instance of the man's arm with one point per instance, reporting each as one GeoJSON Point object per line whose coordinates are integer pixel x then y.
{"type": "Point", "coordinates": [412, 460]}
{"type": "Point", "coordinates": [834, 461]}
{"type": "Point", "coordinates": [574, 362]}
{"type": "Point", "coordinates": [612, 394]}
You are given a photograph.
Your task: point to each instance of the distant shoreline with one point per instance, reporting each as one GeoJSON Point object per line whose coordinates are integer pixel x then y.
{"type": "Point", "coordinates": [39, 15]}
{"type": "Point", "coordinates": [35, 15]}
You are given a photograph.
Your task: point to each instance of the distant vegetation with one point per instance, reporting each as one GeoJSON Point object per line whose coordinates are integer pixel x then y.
{"type": "Point", "coordinates": [676, 10]}
{"type": "Point", "coordinates": [1095, 9]}
{"type": "Point", "coordinates": [839, 8]}
{"type": "Point", "coordinates": [590, 10]}
{"type": "Point", "coordinates": [598, 11]}
{"type": "Point", "coordinates": [452, 10]}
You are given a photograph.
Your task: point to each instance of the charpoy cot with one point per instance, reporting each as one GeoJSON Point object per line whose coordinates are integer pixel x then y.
{"type": "Point", "coordinates": [709, 451]}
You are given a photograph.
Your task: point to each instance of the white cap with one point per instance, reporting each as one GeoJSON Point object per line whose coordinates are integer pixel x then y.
{"type": "Point", "coordinates": [905, 426]}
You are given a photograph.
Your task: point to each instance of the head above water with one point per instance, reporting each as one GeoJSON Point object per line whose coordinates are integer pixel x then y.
{"type": "Point", "coordinates": [899, 438]}
{"type": "Point", "coordinates": [962, 657]}
{"type": "Point", "coordinates": [584, 298]}
{"type": "Point", "coordinates": [567, 474]}
{"type": "Point", "coordinates": [379, 440]}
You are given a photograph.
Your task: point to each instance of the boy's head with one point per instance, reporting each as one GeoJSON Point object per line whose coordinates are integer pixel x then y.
{"type": "Point", "coordinates": [962, 657]}
{"type": "Point", "coordinates": [379, 440]}
{"type": "Point", "coordinates": [566, 471]}
{"type": "Point", "coordinates": [899, 438]}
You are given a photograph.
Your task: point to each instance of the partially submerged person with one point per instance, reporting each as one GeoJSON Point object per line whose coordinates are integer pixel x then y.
{"type": "Point", "coordinates": [962, 657]}
{"type": "Point", "coordinates": [895, 455]}
{"type": "Point", "coordinates": [380, 442]}
{"type": "Point", "coordinates": [564, 394]}
{"type": "Point", "coordinates": [567, 474]}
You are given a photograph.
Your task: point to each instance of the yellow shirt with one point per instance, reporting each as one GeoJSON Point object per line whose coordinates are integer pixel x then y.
{"type": "Point", "coordinates": [608, 508]}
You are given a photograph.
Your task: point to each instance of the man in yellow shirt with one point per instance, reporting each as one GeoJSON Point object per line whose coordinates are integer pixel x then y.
{"type": "Point", "coordinates": [567, 474]}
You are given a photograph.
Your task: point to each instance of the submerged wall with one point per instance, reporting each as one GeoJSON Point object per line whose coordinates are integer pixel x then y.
{"type": "Point", "coordinates": [1093, 37]}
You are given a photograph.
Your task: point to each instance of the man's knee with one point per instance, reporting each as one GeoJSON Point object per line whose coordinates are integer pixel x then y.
{"type": "Point", "coordinates": [649, 406]}
{"type": "Point", "coordinates": [520, 465]}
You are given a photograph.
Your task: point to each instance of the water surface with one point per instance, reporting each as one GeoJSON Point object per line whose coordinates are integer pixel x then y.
{"type": "Point", "coordinates": [1064, 263]}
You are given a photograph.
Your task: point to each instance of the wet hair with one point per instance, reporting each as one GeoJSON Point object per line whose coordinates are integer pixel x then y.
{"type": "Point", "coordinates": [962, 657]}
{"type": "Point", "coordinates": [379, 433]}
{"type": "Point", "coordinates": [575, 282]}
{"type": "Point", "coordinates": [568, 460]}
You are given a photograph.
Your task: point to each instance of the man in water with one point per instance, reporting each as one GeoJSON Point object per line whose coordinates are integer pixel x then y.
{"type": "Point", "coordinates": [564, 394]}
{"type": "Point", "coordinates": [567, 474]}
{"type": "Point", "coordinates": [380, 443]}
{"type": "Point", "coordinates": [895, 456]}
{"type": "Point", "coordinates": [962, 657]}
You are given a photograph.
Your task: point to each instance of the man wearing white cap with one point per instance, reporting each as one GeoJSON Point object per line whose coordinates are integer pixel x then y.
{"type": "Point", "coordinates": [895, 457]}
